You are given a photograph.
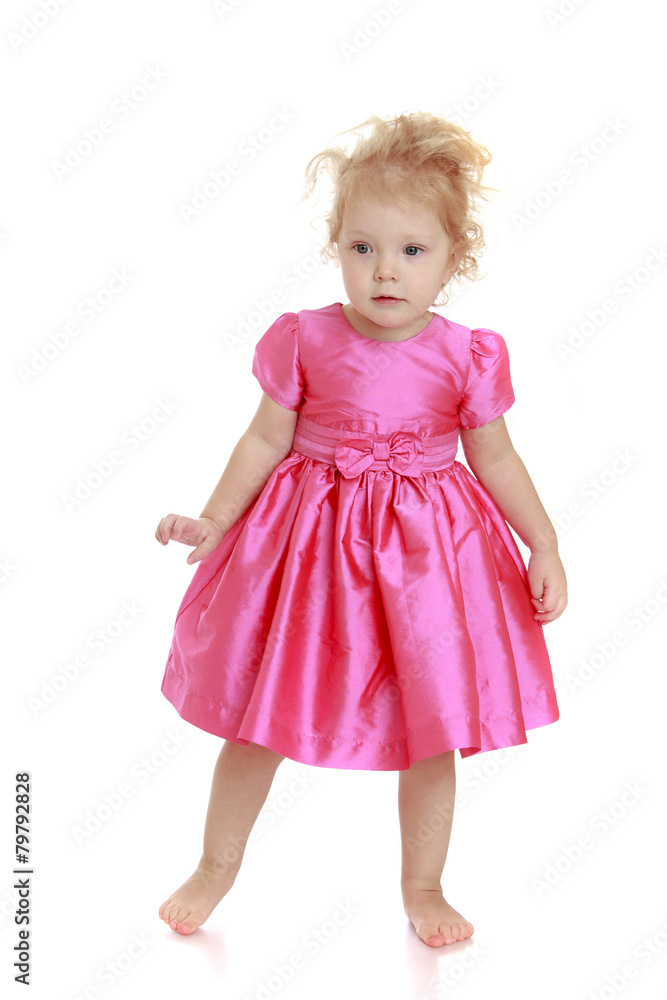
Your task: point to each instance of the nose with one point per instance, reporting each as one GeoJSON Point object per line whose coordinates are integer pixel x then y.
{"type": "Point", "coordinates": [386, 269]}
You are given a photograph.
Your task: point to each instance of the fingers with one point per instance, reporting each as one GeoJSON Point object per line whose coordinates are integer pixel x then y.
{"type": "Point", "coordinates": [205, 546]}
{"type": "Point", "coordinates": [180, 529]}
{"type": "Point", "coordinates": [547, 585]}
{"type": "Point", "coordinates": [209, 542]}
{"type": "Point", "coordinates": [163, 531]}
{"type": "Point", "coordinates": [205, 535]}
{"type": "Point", "coordinates": [550, 605]}
{"type": "Point", "coordinates": [199, 553]}
{"type": "Point", "coordinates": [547, 610]}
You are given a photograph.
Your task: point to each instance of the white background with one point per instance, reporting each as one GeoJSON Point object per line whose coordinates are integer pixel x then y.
{"type": "Point", "coordinates": [539, 92]}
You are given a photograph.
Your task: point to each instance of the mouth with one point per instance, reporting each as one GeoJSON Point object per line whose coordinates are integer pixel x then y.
{"type": "Point", "coordinates": [386, 298]}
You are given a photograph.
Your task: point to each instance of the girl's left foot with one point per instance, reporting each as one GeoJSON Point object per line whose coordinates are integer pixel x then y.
{"type": "Point", "coordinates": [435, 921]}
{"type": "Point", "coordinates": [194, 902]}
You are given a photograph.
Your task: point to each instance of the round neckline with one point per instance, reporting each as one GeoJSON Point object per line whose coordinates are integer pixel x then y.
{"type": "Point", "coordinates": [374, 340]}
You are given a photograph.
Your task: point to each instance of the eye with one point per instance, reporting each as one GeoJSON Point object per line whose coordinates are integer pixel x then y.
{"type": "Point", "coordinates": [410, 248]}
{"type": "Point", "coordinates": [364, 247]}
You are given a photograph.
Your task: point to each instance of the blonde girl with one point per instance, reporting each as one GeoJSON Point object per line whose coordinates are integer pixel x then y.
{"type": "Point", "coordinates": [360, 600]}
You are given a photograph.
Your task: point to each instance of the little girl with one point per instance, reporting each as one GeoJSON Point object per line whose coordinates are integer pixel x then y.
{"type": "Point", "coordinates": [361, 601]}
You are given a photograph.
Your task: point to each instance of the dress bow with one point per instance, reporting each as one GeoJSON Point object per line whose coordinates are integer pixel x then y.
{"type": "Point", "coordinates": [404, 454]}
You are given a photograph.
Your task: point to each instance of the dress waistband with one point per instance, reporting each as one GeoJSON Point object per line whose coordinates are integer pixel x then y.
{"type": "Point", "coordinates": [352, 452]}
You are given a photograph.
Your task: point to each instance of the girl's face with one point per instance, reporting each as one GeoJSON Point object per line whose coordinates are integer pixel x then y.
{"type": "Point", "coordinates": [394, 259]}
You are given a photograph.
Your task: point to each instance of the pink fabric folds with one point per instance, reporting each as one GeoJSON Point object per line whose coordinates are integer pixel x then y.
{"type": "Point", "coordinates": [403, 453]}
{"type": "Point", "coordinates": [370, 608]}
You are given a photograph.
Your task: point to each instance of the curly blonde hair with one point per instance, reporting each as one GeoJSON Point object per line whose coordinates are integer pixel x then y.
{"type": "Point", "coordinates": [413, 157]}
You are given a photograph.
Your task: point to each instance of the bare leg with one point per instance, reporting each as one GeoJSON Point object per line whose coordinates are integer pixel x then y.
{"type": "Point", "coordinates": [241, 781]}
{"type": "Point", "coordinates": [426, 808]}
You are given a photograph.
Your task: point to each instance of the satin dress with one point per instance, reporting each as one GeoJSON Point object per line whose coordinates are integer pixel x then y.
{"type": "Point", "coordinates": [370, 608]}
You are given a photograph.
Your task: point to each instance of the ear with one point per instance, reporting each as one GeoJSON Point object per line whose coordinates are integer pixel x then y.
{"type": "Point", "coordinates": [452, 265]}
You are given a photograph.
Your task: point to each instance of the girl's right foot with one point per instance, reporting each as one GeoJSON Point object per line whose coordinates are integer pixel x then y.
{"type": "Point", "coordinates": [194, 902]}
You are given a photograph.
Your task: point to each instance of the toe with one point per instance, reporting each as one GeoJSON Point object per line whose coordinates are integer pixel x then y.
{"type": "Point", "coordinates": [183, 920]}
{"type": "Point", "coordinates": [184, 926]}
{"type": "Point", "coordinates": [448, 933]}
{"type": "Point", "coordinates": [174, 914]}
{"type": "Point", "coordinates": [463, 930]}
{"type": "Point", "coordinates": [430, 934]}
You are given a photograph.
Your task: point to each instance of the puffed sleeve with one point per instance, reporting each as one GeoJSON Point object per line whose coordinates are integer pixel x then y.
{"type": "Point", "coordinates": [488, 392]}
{"type": "Point", "coordinates": [275, 363]}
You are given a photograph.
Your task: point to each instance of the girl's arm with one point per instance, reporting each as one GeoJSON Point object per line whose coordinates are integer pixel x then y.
{"type": "Point", "coordinates": [266, 442]}
{"type": "Point", "coordinates": [495, 464]}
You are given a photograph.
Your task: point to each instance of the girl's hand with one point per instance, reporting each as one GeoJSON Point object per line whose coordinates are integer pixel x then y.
{"type": "Point", "coordinates": [203, 532]}
{"type": "Point", "coordinates": [548, 586]}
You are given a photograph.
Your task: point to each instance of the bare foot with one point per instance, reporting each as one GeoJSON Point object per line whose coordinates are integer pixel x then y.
{"type": "Point", "coordinates": [194, 902]}
{"type": "Point", "coordinates": [435, 921]}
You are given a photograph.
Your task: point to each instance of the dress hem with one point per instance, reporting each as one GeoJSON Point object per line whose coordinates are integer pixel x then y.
{"type": "Point", "coordinates": [386, 755]}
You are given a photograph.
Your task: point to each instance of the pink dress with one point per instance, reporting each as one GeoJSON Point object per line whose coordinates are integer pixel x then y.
{"type": "Point", "coordinates": [370, 608]}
